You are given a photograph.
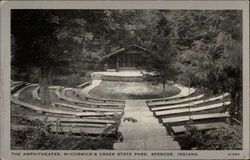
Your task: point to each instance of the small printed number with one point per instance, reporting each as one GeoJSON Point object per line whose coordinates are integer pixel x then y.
{"type": "Point", "coordinates": [233, 154]}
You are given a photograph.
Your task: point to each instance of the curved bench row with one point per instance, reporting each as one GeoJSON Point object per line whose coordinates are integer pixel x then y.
{"type": "Point", "coordinates": [65, 129]}
{"type": "Point", "coordinates": [35, 92]}
{"type": "Point", "coordinates": [203, 127]}
{"type": "Point", "coordinates": [91, 109]}
{"type": "Point", "coordinates": [172, 102]}
{"type": "Point", "coordinates": [189, 103]}
{"type": "Point", "coordinates": [175, 97]}
{"type": "Point", "coordinates": [60, 92]}
{"type": "Point", "coordinates": [91, 120]}
{"type": "Point", "coordinates": [17, 93]}
{"type": "Point", "coordinates": [84, 84]}
{"type": "Point", "coordinates": [14, 83]}
{"type": "Point", "coordinates": [15, 87]}
{"type": "Point", "coordinates": [85, 120]}
{"type": "Point", "coordinates": [173, 120]}
{"type": "Point", "coordinates": [101, 100]}
{"type": "Point", "coordinates": [76, 91]}
{"type": "Point", "coordinates": [61, 112]}
{"type": "Point", "coordinates": [206, 114]}
{"type": "Point", "coordinates": [190, 109]}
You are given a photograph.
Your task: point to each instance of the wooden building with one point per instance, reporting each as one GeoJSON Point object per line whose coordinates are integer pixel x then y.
{"type": "Point", "coordinates": [124, 59]}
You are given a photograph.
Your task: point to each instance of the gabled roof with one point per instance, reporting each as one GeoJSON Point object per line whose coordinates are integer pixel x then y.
{"type": "Point", "coordinates": [122, 49]}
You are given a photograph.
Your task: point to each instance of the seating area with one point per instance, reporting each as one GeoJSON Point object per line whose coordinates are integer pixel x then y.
{"type": "Point", "coordinates": [61, 94]}
{"type": "Point", "coordinates": [179, 96]}
{"type": "Point", "coordinates": [203, 127]}
{"type": "Point", "coordinates": [15, 86]}
{"type": "Point", "coordinates": [68, 111]}
{"type": "Point", "coordinates": [93, 99]}
{"type": "Point", "coordinates": [203, 112]}
{"type": "Point", "coordinates": [35, 92]}
{"type": "Point", "coordinates": [174, 101]}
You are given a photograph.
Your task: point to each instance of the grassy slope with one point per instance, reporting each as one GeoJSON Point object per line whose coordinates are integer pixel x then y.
{"type": "Point", "coordinates": [131, 90]}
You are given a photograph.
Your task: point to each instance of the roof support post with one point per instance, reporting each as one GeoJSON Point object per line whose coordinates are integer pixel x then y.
{"type": "Point", "coordinates": [117, 64]}
{"type": "Point", "coordinates": [123, 59]}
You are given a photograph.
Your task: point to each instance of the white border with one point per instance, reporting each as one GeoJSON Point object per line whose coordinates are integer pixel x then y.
{"type": "Point", "coordinates": [5, 70]}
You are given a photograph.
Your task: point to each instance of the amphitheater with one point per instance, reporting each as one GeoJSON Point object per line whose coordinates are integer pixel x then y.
{"type": "Point", "coordinates": [144, 124]}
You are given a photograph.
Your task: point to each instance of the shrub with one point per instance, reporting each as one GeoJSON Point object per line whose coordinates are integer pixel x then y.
{"type": "Point", "coordinates": [224, 138]}
{"type": "Point", "coordinates": [40, 137]}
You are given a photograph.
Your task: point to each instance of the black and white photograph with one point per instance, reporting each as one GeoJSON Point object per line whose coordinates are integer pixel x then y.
{"type": "Point", "coordinates": [126, 80]}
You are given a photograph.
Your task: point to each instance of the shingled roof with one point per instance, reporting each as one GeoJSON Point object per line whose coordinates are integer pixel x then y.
{"type": "Point", "coordinates": [122, 49]}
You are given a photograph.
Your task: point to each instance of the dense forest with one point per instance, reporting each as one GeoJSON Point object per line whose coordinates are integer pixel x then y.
{"type": "Point", "coordinates": [200, 48]}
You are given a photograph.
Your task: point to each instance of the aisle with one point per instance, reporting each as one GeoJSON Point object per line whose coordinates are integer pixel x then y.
{"type": "Point", "coordinates": [146, 133]}
{"type": "Point", "coordinates": [85, 91]}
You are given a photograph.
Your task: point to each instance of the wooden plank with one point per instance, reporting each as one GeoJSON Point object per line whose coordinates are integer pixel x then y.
{"type": "Point", "coordinates": [95, 109]}
{"type": "Point", "coordinates": [17, 94]}
{"type": "Point", "coordinates": [170, 98]}
{"type": "Point", "coordinates": [75, 130]}
{"type": "Point", "coordinates": [83, 125]}
{"type": "Point", "coordinates": [207, 126]}
{"type": "Point", "coordinates": [186, 110]}
{"type": "Point", "coordinates": [164, 103]}
{"type": "Point", "coordinates": [15, 88]}
{"type": "Point", "coordinates": [13, 83]}
{"type": "Point", "coordinates": [35, 92]}
{"type": "Point", "coordinates": [84, 84]}
{"type": "Point", "coordinates": [98, 100]}
{"type": "Point", "coordinates": [194, 117]}
{"type": "Point", "coordinates": [88, 103]}
{"type": "Point", "coordinates": [55, 111]}
{"type": "Point", "coordinates": [189, 104]}
{"type": "Point", "coordinates": [70, 120]}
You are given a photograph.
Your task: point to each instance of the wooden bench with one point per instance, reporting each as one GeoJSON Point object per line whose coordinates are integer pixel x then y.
{"type": "Point", "coordinates": [35, 92]}
{"type": "Point", "coordinates": [194, 117]}
{"type": "Point", "coordinates": [170, 98]}
{"type": "Point", "coordinates": [15, 88]}
{"type": "Point", "coordinates": [66, 129]}
{"type": "Point", "coordinates": [17, 94]}
{"type": "Point", "coordinates": [98, 100]}
{"type": "Point", "coordinates": [84, 125]}
{"type": "Point", "coordinates": [84, 84]}
{"type": "Point", "coordinates": [60, 112]}
{"type": "Point", "coordinates": [13, 83]}
{"type": "Point", "coordinates": [190, 104]}
{"type": "Point", "coordinates": [202, 127]}
{"type": "Point", "coordinates": [69, 120]}
{"type": "Point", "coordinates": [92, 109]}
{"type": "Point", "coordinates": [61, 95]}
{"type": "Point", "coordinates": [164, 103]}
{"type": "Point", "coordinates": [186, 110]}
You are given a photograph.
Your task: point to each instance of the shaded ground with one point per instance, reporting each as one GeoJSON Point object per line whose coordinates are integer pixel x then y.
{"type": "Point", "coordinates": [141, 130]}
{"type": "Point", "coordinates": [131, 90]}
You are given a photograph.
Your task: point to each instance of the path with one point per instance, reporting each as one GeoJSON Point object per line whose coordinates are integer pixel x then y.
{"type": "Point", "coordinates": [185, 91]}
{"type": "Point", "coordinates": [85, 91]}
{"type": "Point", "coordinates": [145, 134]}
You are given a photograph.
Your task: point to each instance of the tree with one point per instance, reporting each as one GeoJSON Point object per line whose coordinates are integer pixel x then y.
{"type": "Point", "coordinates": [161, 58]}
{"type": "Point", "coordinates": [48, 38]}
{"type": "Point", "coordinates": [214, 52]}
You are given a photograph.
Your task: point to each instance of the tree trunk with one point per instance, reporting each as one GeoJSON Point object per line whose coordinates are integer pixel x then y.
{"type": "Point", "coordinates": [235, 105]}
{"type": "Point", "coordinates": [238, 100]}
{"type": "Point", "coordinates": [44, 90]}
{"type": "Point", "coordinates": [164, 90]}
